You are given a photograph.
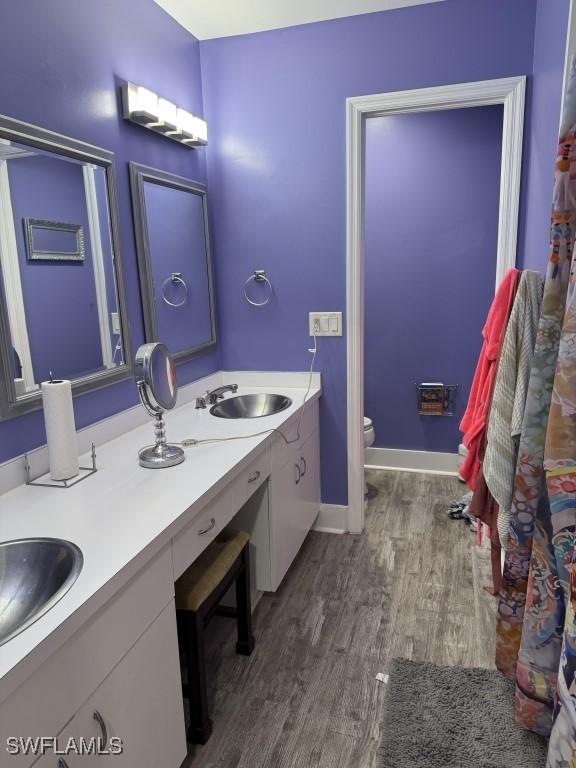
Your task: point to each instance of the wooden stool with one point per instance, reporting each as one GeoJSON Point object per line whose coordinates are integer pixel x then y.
{"type": "Point", "coordinates": [198, 592]}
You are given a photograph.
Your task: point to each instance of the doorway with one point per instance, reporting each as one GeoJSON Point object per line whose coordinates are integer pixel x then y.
{"type": "Point", "coordinates": [508, 92]}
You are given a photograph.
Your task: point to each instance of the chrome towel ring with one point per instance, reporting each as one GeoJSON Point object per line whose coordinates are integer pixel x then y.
{"type": "Point", "coordinates": [176, 279]}
{"type": "Point", "coordinates": [259, 276]}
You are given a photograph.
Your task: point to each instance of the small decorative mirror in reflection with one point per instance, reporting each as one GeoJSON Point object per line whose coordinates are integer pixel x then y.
{"type": "Point", "coordinates": [171, 224]}
{"type": "Point", "coordinates": [53, 240]}
{"type": "Point", "coordinates": [61, 297]}
{"type": "Point", "coordinates": [156, 381]}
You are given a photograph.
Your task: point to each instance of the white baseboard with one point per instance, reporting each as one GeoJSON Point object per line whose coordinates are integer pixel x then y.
{"type": "Point", "coordinates": [332, 518]}
{"type": "Point", "coordinates": [431, 462]}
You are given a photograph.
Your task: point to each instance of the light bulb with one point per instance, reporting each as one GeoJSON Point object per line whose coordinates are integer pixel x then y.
{"type": "Point", "coordinates": [147, 102]}
{"type": "Point", "coordinates": [167, 112]}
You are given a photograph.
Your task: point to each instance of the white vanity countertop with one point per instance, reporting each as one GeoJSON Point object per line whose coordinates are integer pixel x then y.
{"type": "Point", "coordinates": [124, 514]}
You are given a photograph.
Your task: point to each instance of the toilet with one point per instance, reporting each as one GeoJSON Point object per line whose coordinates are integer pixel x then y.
{"type": "Point", "coordinates": [369, 437]}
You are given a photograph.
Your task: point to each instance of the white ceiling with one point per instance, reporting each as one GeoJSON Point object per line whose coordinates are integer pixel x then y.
{"type": "Point", "coordinates": [222, 18]}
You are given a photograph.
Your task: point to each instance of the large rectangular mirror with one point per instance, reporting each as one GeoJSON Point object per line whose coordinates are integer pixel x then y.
{"type": "Point", "coordinates": [171, 227]}
{"type": "Point", "coordinates": [62, 311]}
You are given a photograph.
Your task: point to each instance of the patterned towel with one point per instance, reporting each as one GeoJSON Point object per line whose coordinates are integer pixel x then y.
{"type": "Point", "coordinates": [509, 397]}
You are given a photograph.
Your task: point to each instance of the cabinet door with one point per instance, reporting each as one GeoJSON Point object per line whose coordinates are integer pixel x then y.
{"type": "Point", "coordinates": [309, 486]}
{"type": "Point", "coordinates": [295, 502]}
{"type": "Point", "coordinates": [71, 735]}
{"type": "Point", "coordinates": [140, 703]}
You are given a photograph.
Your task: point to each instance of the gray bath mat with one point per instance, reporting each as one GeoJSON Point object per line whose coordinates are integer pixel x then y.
{"type": "Point", "coordinates": [452, 717]}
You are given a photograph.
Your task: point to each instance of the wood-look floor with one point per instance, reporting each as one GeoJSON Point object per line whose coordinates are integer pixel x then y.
{"type": "Point", "coordinates": [410, 586]}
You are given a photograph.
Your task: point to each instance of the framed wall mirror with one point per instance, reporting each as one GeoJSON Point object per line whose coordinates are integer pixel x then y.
{"type": "Point", "coordinates": [62, 306]}
{"type": "Point", "coordinates": [53, 240]}
{"type": "Point", "coordinates": [171, 227]}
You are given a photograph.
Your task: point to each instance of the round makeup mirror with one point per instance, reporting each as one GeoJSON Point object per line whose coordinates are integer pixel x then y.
{"type": "Point", "coordinates": [156, 381]}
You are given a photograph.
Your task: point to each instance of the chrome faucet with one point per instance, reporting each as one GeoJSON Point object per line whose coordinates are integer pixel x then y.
{"type": "Point", "coordinates": [212, 396]}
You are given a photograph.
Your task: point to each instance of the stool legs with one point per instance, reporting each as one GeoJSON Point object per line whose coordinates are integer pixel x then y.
{"type": "Point", "coordinates": [191, 628]}
{"type": "Point", "coordinates": [191, 625]}
{"type": "Point", "coordinates": [245, 644]}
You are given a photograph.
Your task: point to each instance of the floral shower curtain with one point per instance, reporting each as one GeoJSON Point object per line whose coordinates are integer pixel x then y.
{"type": "Point", "coordinates": [536, 629]}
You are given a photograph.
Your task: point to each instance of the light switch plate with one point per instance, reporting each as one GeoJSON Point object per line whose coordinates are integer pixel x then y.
{"type": "Point", "coordinates": [115, 317]}
{"type": "Point", "coordinates": [325, 323]}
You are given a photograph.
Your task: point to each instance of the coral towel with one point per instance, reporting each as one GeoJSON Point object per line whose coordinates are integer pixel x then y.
{"type": "Point", "coordinates": [473, 424]}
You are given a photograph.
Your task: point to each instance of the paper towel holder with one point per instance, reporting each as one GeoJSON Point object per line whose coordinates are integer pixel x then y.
{"type": "Point", "coordinates": [84, 473]}
{"type": "Point", "coordinates": [155, 375]}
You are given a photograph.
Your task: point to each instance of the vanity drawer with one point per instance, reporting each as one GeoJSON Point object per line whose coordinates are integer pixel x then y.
{"type": "Point", "coordinates": [282, 451]}
{"type": "Point", "coordinates": [203, 529]}
{"type": "Point", "coordinates": [250, 479]}
{"type": "Point", "coordinates": [49, 698]}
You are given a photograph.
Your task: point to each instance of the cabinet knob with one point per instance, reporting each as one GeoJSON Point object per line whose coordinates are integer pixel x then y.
{"type": "Point", "coordinates": [298, 475]}
{"type": "Point", "coordinates": [100, 720]}
{"type": "Point", "coordinates": [254, 477]}
{"type": "Point", "coordinates": [208, 528]}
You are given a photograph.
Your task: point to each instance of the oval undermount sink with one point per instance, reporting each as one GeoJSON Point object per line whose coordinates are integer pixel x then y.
{"type": "Point", "coordinates": [250, 406]}
{"type": "Point", "coordinates": [34, 575]}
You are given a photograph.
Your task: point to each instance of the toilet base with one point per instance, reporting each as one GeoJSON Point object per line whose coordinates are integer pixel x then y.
{"type": "Point", "coordinates": [370, 491]}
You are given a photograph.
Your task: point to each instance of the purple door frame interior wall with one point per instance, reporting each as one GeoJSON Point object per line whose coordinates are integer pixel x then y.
{"type": "Point", "coordinates": [431, 204]}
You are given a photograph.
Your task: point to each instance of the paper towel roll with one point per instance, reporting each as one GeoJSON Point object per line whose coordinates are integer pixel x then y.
{"type": "Point", "coordinates": [60, 429]}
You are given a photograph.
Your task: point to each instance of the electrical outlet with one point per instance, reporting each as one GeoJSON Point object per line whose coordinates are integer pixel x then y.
{"type": "Point", "coordinates": [325, 323]}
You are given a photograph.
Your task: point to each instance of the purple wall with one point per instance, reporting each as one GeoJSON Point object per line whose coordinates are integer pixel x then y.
{"type": "Point", "coordinates": [66, 78]}
{"type": "Point", "coordinates": [275, 104]}
{"type": "Point", "coordinates": [541, 136]}
{"type": "Point", "coordinates": [431, 233]}
{"type": "Point", "coordinates": [59, 297]}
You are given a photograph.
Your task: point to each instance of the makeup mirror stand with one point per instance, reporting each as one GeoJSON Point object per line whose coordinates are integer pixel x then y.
{"type": "Point", "coordinates": [155, 380]}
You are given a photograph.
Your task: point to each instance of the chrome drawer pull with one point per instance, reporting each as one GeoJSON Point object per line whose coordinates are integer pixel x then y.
{"type": "Point", "coordinates": [208, 528]}
{"type": "Point", "coordinates": [303, 468]}
{"type": "Point", "coordinates": [254, 477]}
{"type": "Point", "coordinates": [298, 473]}
{"type": "Point", "coordinates": [100, 720]}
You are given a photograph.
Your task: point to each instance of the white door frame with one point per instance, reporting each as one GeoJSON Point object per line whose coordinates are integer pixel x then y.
{"type": "Point", "coordinates": [98, 264]}
{"type": "Point", "coordinates": [12, 281]}
{"type": "Point", "coordinates": [506, 91]}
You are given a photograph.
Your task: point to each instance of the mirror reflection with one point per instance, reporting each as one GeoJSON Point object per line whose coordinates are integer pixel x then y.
{"type": "Point", "coordinates": [57, 262]}
{"type": "Point", "coordinates": [174, 261]}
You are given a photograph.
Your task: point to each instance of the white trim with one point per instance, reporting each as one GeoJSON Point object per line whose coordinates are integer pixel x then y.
{"type": "Point", "coordinates": [12, 280]}
{"type": "Point", "coordinates": [98, 265]}
{"type": "Point", "coordinates": [332, 518]}
{"type": "Point", "coordinates": [432, 462]}
{"type": "Point", "coordinates": [506, 91]}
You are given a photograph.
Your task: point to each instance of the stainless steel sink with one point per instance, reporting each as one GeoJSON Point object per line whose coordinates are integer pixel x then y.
{"type": "Point", "coordinates": [250, 406]}
{"type": "Point", "coordinates": [34, 575]}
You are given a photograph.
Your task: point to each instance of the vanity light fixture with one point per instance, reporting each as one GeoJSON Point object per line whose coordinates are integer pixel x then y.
{"type": "Point", "coordinates": [146, 108]}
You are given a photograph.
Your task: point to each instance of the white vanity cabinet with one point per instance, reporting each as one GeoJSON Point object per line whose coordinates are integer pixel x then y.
{"type": "Point", "coordinates": [124, 663]}
{"type": "Point", "coordinates": [294, 503]}
{"type": "Point", "coordinates": [139, 703]}
{"type": "Point", "coordinates": [275, 498]}
{"type": "Point", "coordinates": [119, 655]}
